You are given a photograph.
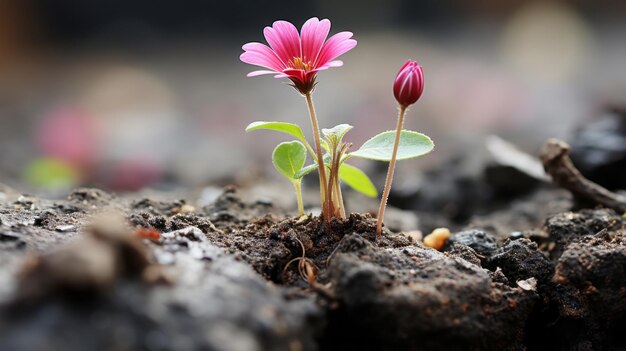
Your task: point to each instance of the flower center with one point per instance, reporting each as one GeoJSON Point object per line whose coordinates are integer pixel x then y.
{"type": "Point", "coordinates": [298, 63]}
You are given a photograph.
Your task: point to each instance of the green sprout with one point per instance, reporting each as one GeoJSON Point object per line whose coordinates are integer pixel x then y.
{"type": "Point", "coordinates": [289, 159]}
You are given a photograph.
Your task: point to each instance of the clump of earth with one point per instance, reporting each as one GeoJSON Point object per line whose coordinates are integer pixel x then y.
{"type": "Point", "coordinates": [101, 272]}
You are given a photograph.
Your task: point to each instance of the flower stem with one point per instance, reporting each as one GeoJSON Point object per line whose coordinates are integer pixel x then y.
{"type": "Point", "coordinates": [320, 155]}
{"type": "Point", "coordinates": [298, 185]}
{"type": "Point", "coordinates": [342, 209]}
{"type": "Point", "coordinates": [392, 166]}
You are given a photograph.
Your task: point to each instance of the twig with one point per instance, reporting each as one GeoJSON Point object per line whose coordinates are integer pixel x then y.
{"type": "Point", "coordinates": [557, 163]}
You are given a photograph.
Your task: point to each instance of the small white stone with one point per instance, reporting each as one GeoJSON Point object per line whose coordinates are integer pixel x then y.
{"type": "Point", "coordinates": [529, 284]}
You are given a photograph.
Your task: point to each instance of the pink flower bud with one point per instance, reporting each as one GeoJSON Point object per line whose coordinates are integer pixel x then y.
{"type": "Point", "coordinates": [409, 83]}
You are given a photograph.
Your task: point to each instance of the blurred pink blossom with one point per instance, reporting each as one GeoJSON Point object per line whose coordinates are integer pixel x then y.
{"type": "Point", "coordinates": [131, 174]}
{"type": "Point", "coordinates": [68, 134]}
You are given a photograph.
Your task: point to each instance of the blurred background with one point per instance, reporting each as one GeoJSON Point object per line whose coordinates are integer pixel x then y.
{"type": "Point", "coordinates": [125, 95]}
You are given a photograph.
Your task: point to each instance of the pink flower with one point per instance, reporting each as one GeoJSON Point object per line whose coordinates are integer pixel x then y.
{"type": "Point", "coordinates": [298, 56]}
{"type": "Point", "coordinates": [409, 83]}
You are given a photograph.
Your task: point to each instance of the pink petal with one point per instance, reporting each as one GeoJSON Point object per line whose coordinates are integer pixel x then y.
{"type": "Point", "coordinates": [313, 34]}
{"type": "Point", "coordinates": [407, 63]}
{"type": "Point", "coordinates": [336, 63]}
{"type": "Point", "coordinates": [284, 39]}
{"type": "Point", "coordinates": [334, 47]}
{"type": "Point", "coordinates": [261, 55]}
{"type": "Point", "coordinates": [259, 73]}
{"type": "Point", "coordinates": [295, 73]}
{"type": "Point", "coordinates": [407, 84]}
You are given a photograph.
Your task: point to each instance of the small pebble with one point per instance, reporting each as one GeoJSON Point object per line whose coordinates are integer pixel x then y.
{"type": "Point", "coordinates": [529, 284]}
{"type": "Point", "coordinates": [264, 201]}
{"type": "Point", "coordinates": [65, 228]}
{"type": "Point", "coordinates": [437, 239]}
{"type": "Point", "coordinates": [164, 257]}
{"type": "Point", "coordinates": [209, 195]}
{"type": "Point", "coordinates": [414, 235]}
{"type": "Point", "coordinates": [196, 252]}
{"type": "Point", "coordinates": [187, 209]}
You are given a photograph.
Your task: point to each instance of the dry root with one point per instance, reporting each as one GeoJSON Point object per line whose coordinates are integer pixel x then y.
{"type": "Point", "coordinates": [306, 268]}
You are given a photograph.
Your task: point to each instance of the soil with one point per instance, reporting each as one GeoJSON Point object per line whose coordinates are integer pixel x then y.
{"type": "Point", "coordinates": [99, 272]}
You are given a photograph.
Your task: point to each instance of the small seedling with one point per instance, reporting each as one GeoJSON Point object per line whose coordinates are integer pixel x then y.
{"type": "Point", "coordinates": [299, 56]}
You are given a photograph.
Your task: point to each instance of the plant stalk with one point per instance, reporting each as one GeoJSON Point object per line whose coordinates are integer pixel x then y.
{"type": "Point", "coordinates": [342, 208]}
{"type": "Point", "coordinates": [298, 185]}
{"type": "Point", "coordinates": [320, 156]}
{"type": "Point", "coordinates": [392, 166]}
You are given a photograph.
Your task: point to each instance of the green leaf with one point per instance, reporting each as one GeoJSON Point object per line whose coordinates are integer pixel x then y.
{"type": "Point", "coordinates": [357, 180]}
{"type": "Point", "coordinates": [339, 131]}
{"type": "Point", "coordinates": [284, 127]}
{"type": "Point", "coordinates": [289, 157]}
{"type": "Point", "coordinates": [380, 147]}
{"type": "Point", "coordinates": [310, 168]}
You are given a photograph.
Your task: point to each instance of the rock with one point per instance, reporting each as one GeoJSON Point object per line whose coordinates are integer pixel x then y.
{"type": "Point", "coordinates": [592, 275]}
{"type": "Point", "coordinates": [598, 149]}
{"type": "Point", "coordinates": [480, 241]}
{"type": "Point", "coordinates": [84, 266]}
{"type": "Point", "coordinates": [414, 235]}
{"type": "Point", "coordinates": [520, 260]}
{"type": "Point", "coordinates": [216, 303]}
{"type": "Point", "coordinates": [529, 284]}
{"type": "Point", "coordinates": [408, 298]}
{"type": "Point", "coordinates": [568, 227]}
{"type": "Point", "coordinates": [65, 228]}
{"type": "Point", "coordinates": [507, 181]}
{"type": "Point", "coordinates": [595, 267]}
{"type": "Point", "coordinates": [464, 252]}
{"type": "Point", "coordinates": [91, 264]}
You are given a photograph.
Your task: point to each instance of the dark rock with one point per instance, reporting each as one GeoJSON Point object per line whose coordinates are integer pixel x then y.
{"type": "Point", "coordinates": [596, 267]}
{"type": "Point", "coordinates": [568, 227]}
{"type": "Point", "coordinates": [507, 181]}
{"type": "Point", "coordinates": [480, 241]}
{"type": "Point", "coordinates": [520, 260]}
{"type": "Point", "coordinates": [464, 252]}
{"type": "Point", "coordinates": [598, 149]}
{"type": "Point", "coordinates": [418, 298]}
{"type": "Point", "coordinates": [592, 274]}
